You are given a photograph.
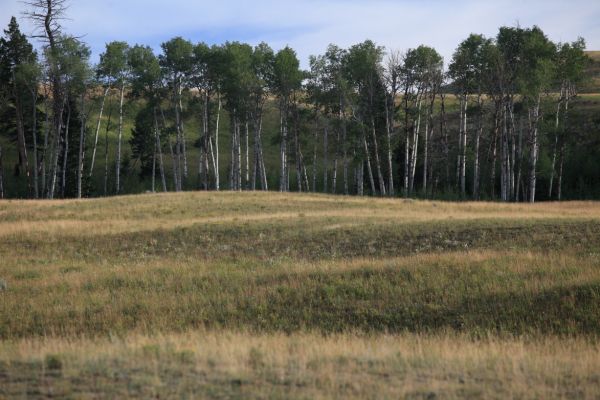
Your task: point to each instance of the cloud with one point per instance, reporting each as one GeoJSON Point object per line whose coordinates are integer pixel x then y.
{"type": "Point", "coordinates": [310, 25]}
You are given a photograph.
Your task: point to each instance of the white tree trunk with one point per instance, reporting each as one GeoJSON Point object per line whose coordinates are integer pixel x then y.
{"type": "Point", "coordinates": [283, 175]}
{"type": "Point", "coordinates": [98, 123]}
{"type": "Point", "coordinates": [183, 141]}
{"type": "Point", "coordinates": [463, 156]}
{"type": "Point", "coordinates": [161, 166]}
{"type": "Point", "coordinates": [216, 167]}
{"type": "Point", "coordinates": [534, 151]}
{"type": "Point", "coordinates": [119, 140]}
{"type": "Point", "coordinates": [377, 162]}
{"type": "Point", "coordinates": [36, 190]}
{"type": "Point", "coordinates": [65, 155]}
{"type": "Point", "coordinates": [325, 160]}
{"type": "Point", "coordinates": [81, 154]}
{"type": "Point", "coordinates": [389, 122]}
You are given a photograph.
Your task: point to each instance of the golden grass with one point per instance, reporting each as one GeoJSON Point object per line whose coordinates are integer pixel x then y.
{"type": "Point", "coordinates": [256, 295]}
{"type": "Point", "coordinates": [169, 211]}
{"type": "Point", "coordinates": [308, 365]}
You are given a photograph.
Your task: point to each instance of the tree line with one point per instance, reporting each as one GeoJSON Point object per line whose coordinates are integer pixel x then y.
{"type": "Point", "coordinates": [360, 120]}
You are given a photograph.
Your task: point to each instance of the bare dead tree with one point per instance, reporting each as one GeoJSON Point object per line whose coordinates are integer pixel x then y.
{"type": "Point", "coordinates": [46, 16]}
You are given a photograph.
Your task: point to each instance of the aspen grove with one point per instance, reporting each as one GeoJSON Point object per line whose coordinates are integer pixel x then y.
{"type": "Point", "coordinates": [361, 120]}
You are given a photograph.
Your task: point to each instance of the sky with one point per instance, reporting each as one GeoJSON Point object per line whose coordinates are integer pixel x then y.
{"type": "Point", "coordinates": [309, 26]}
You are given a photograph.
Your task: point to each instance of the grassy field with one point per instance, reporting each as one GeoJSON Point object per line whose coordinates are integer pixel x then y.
{"type": "Point", "coordinates": [266, 295]}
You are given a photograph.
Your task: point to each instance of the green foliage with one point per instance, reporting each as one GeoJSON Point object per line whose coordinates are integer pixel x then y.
{"type": "Point", "coordinates": [422, 65]}
{"type": "Point", "coordinates": [15, 51]}
{"type": "Point", "coordinates": [348, 90]}
{"type": "Point", "coordinates": [145, 71]}
{"type": "Point", "coordinates": [237, 77]}
{"type": "Point", "coordinates": [570, 62]}
{"type": "Point", "coordinates": [471, 65]}
{"type": "Point", "coordinates": [113, 62]}
{"type": "Point", "coordinates": [287, 76]}
{"type": "Point", "coordinates": [142, 141]}
{"type": "Point", "coordinates": [70, 60]}
{"type": "Point", "coordinates": [177, 58]}
{"type": "Point", "coordinates": [19, 77]}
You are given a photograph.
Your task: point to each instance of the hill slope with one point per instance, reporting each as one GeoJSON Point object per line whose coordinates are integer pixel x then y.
{"type": "Point", "coordinates": [280, 295]}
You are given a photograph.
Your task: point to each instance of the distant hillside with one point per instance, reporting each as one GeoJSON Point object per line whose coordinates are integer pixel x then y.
{"type": "Point", "coordinates": [593, 85]}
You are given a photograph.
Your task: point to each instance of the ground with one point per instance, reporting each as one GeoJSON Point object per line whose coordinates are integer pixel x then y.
{"type": "Point", "coordinates": [267, 295]}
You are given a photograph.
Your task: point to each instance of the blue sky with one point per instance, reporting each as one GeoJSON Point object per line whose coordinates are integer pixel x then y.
{"type": "Point", "coordinates": [310, 25]}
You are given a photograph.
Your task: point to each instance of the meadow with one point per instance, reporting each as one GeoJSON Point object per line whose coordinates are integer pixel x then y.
{"type": "Point", "coordinates": [268, 295]}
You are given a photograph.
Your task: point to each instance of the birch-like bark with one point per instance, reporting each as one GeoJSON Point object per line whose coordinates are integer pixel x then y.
{"type": "Point", "coordinates": [56, 148]}
{"type": "Point", "coordinates": [513, 154]}
{"type": "Point", "coordinates": [368, 159]}
{"type": "Point", "coordinates": [178, 139]}
{"type": "Point", "coordinates": [183, 141]}
{"type": "Point", "coordinates": [445, 140]}
{"type": "Point", "coordinates": [425, 155]}
{"type": "Point", "coordinates": [494, 148]}
{"type": "Point", "coordinates": [238, 171]}
{"type": "Point", "coordinates": [406, 144]}
{"type": "Point", "coordinates": [382, 190]}
{"type": "Point", "coordinates": [325, 160]}
{"type": "Point", "coordinates": [233, 127]}
{"type": "Point", "coordinates": [96, 134]}
{"type": "Point", "coordinates": [283, 175]}
{"type": "Point", "coordinates": [36, 191]}
{"type": "Point", "coordinates": [174, 162]}
{"type": "Point", "coordinates": [519, 160]}
{"type": "Point", "coordinates": [428, 133]}
{"type": "Point", "coordinates": [203, 164]}
{"type": "Point", "coordinates": [344, 144]}
{"type": "Point", "coordinates": [298, 151]}
{"type": "Point", "coordinates": [263, 170]}
{"type": "Point", "coordinates": [534, 151]}
{"type": "Point", "coordinates": [564, 99]}
{"type": "Point", "coordinates": [459, 144]}
{"type": "Point", "coordinates": [158, 145]}
{"type": "Point", "coordinates": [65, 153]}
{"type": "Point", "coordinates": [216, 168]}
{"type": "Point", "coordinates": [119, 140]}
{"type": "Point", "coordinates": [255, 156]}
{"type": "Point", "coordinates": [389, 126]}
{"type": "Point", "coordinates": [463, 159]}
{"type": "Point", "coordinates": [176, 167]}
{"type": "Point", "coordinates": [304, 172]}
{"type": "Point", "coordinates": [81, 155]}
{"type": "Point", "coordinates": [153, 187]}
{"type": "Point", "coordinates": [260, 162]}
{"type": "Point", "coordinates": [246, 171]}
{"type": "Point", "coordinates": [208, 150]}
{"type": "Point", "coordinates": [415, 148]}
{"type": "Point", "coordinates": [335, 163]}
{"type": "Point", "coordinates": [212, 154]}
{"type": "Point", "coordinates": [314, 164]}
{"type": "Point", "coordinates": [478, 134]}
{"type": "Point", "coordinates": [43, 160]}
{"type": "Point", "coordinates": [106, 152]}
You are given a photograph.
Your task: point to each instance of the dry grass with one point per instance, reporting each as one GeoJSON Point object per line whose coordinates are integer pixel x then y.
{"type": "Point", "coordinates": [169, 211]}
{"type": "Point", "coordinates": [234, 364]}
{"type": "Point", "coordinates": [256, 295]}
